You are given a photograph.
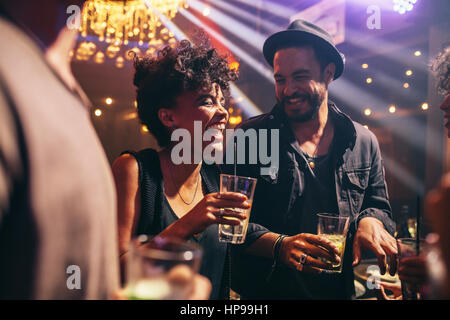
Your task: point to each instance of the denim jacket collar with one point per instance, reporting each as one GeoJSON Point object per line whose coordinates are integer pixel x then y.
{"type": "Point", "coordinates": [342, 122]}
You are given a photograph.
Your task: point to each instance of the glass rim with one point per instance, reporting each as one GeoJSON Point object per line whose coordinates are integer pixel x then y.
{"type": "Point", "coordinates": [188, 251]}
{"type": "Point", "coordinates": [408, 240]}
{"type": "Point", "coordinates": [232, 175]}
{"type": "Point", "coordinates": [329, 215]}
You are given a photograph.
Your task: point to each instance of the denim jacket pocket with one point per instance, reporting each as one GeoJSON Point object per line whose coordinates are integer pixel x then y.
{"type": "Point", "coordinates": [358, 178]}
{"type": "Point", "coordinates": [357, 181]}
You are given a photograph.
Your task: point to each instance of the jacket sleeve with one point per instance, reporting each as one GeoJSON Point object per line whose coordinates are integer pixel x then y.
{"type": "Point", "coordinates": [376, 198]}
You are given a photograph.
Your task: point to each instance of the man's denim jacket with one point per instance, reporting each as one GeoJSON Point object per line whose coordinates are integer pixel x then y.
{"type": "Point", "coordinates": [359, 176]}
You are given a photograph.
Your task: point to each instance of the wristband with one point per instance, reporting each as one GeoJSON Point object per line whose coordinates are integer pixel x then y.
{"type": "Point", "coordinates": [276, 252]}
{"type": "Point", "coordinates": [276, 247]}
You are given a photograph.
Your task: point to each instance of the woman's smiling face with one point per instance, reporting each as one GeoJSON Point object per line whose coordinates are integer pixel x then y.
{"type": "Point", "coordinates": [207, 107]}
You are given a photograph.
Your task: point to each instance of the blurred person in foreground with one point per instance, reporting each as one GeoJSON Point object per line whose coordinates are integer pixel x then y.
{"type": "Point", "coordinates": [157, 193]}
{"type": "Point", "coordinates": [433, 271]}
{"type": "Point", "coordinates": [57, 200]}
{"type": "Point", "coordinates": [58, 230]}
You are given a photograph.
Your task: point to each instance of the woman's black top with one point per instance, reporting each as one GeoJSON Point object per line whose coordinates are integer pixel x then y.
{"type": "Point", "coordinates": [156, 215]}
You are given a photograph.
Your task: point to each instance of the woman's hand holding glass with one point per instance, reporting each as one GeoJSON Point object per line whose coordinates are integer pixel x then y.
{"type": "Point", "coordinates": [212, 210]}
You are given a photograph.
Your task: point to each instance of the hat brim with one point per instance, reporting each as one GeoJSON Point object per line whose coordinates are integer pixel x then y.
{"type": "Point", "coordinates": [298, 37]}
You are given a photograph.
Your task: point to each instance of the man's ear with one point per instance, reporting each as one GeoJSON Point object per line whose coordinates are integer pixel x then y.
{"type": "Point", "coordinates": [329, 73]}
{"type": "Point", "coordinates": [166, 117]}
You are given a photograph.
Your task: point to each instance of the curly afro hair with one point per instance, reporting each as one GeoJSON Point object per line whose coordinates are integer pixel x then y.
{"type": "Point", "coordinates": [441, 68]}
{"type": "Point", "coordinates": [175, 70]}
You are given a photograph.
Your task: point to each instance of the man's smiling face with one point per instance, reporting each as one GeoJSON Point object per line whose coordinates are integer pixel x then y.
{"type": "Point", "coordinates": [299, 82]}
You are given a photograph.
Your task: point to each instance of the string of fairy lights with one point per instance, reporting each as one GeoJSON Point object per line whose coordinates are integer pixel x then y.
{"type": "Point", "coordinates": [392, 108]}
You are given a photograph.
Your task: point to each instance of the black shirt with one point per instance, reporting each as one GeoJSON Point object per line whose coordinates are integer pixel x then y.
{"type": "Point", "coordinates": [319, 196]}
{"type": "Point", "coordinates": [214, 251]}
{"type": "Point", "coordinates": [156, 215]}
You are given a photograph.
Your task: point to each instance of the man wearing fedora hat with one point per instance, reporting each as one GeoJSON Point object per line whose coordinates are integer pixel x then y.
{"type": "Point", "coordinates": [328, 163]}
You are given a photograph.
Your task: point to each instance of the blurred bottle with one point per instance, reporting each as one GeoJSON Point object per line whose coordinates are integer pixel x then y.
{"type": "Point", "coordinates": [402, 229]}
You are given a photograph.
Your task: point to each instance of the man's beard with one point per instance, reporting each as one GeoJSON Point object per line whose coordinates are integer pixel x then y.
{"type": "Point", "coordinates": [314, 99]}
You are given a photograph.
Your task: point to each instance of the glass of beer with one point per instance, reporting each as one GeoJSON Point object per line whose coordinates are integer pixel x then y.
{"type": "Point", "coordinates": [161, 268]}
{"type": "Point", "coordinates": [246, 186]}
{"type": "Point", "coordinates": [334, 228]}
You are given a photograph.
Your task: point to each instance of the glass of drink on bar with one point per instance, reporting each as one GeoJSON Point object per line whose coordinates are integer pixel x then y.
{"type": "Point", "coordinates": [334, 228]}
{"type": "Point", "coordinates": [246, 186]}
{"type": "Point", "coordinates": [161, 268]}
{"type": "Point", "coordinates": [407, 247]}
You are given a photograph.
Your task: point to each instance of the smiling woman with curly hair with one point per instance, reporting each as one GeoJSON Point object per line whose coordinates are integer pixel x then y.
{"type": "Point", "coordinates": [161, 80]}
{"type": "Point", "coordinates": [156, 196]}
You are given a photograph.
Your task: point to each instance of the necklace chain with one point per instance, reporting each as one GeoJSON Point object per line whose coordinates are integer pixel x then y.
{"type": "Point", "coordinates": [179, 194]}
{"type": "Point", "coordinates": [311, 158]}
{"type": "Point", "coordinates": [311, 161]}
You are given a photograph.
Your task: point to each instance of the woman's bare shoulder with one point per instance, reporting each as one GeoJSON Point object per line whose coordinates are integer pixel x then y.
{"type": "Point", "coordinates": [125, 167]}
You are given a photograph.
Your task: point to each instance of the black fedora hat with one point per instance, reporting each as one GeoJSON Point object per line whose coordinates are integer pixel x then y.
{"type": "Point", "coordinates": [304, 32]}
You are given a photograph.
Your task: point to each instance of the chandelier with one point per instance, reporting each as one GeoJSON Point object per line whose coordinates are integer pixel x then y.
{"type": "Point", "coordinates": [109, 26]}
{"type": "Point", "coordinates": [402, 6]}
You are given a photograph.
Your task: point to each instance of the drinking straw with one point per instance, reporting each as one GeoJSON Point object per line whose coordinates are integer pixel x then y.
{"type": "Point", "coordinates": [418, 226]}
{"type": "Point", "coordinates": [235, 157]}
